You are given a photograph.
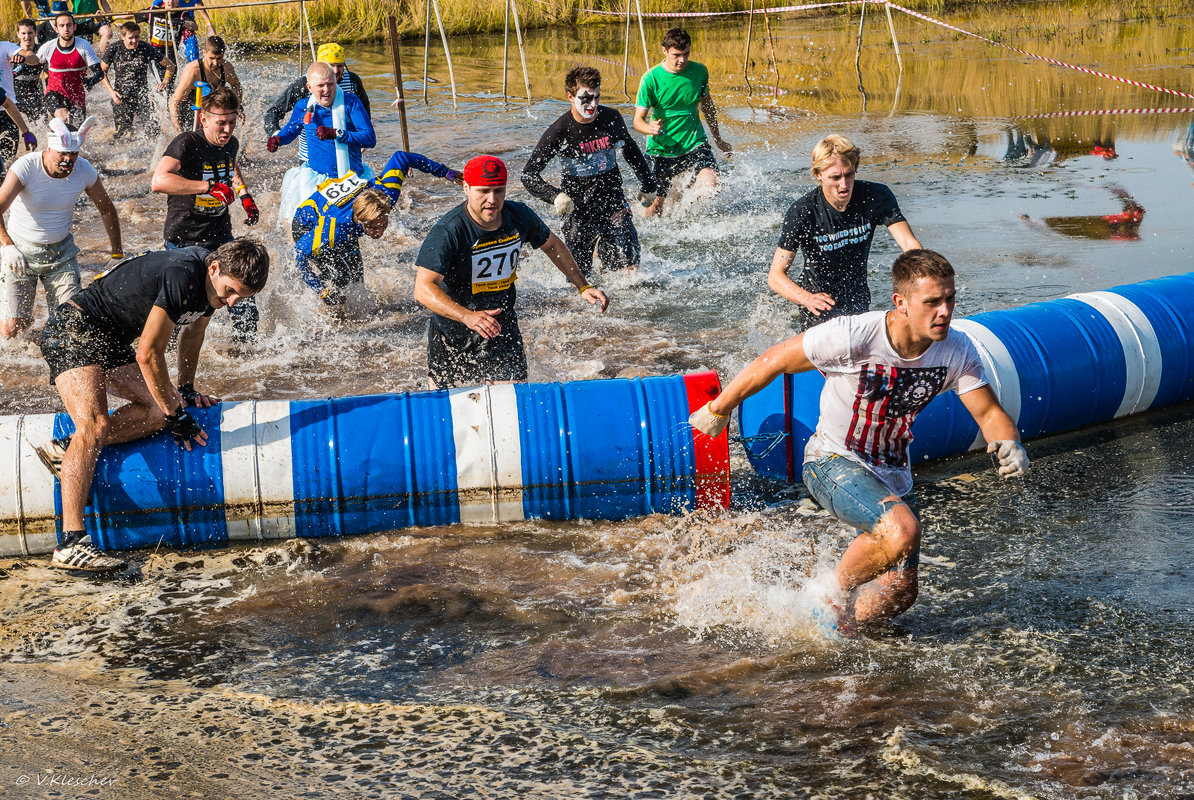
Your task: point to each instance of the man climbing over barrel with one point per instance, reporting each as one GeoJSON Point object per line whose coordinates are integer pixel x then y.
{"type": "Point", "coordinates": [87, 343]}
{"type": "Point", "coordinates": [881, 369]}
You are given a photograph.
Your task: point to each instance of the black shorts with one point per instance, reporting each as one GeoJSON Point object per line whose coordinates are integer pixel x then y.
{"type": "Point", "coordinates": [697, 159]}
{"type": "Point", "coordinates": [70, 340]}
{"type": "Point", "coordinates": [56, 100]}
{"type": "Point", "coordinates": [472, 360]}
{"type": "Point", "coordinates": [614, 237]}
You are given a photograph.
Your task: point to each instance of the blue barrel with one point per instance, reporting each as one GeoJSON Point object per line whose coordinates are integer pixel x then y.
{"type": "Point", "coordinates": [1055, 366]}
{"type": "Point", "coordinates": [606, 449]}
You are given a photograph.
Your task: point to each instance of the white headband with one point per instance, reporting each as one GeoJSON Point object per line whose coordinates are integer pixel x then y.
{"type": "Point", "coordinates": [64, 140]}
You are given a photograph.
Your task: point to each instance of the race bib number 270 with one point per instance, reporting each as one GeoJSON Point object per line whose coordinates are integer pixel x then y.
{"type": "Point", "coordinates": [495, 264]}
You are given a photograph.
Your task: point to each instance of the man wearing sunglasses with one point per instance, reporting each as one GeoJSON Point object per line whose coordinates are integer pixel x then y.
{"type": "Point", "coordinates": [591, 198]}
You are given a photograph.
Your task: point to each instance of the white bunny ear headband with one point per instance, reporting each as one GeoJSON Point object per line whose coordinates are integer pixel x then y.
{"type": "Point", "coordinates": [63, 139]}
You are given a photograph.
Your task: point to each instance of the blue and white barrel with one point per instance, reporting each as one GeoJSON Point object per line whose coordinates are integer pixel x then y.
{"type": "Point", "coordinates": [605, 449]}
{"type": "Point", "coordinates": [1055, 366]}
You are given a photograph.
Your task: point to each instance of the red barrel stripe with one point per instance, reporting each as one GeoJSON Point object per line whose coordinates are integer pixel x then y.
{"type": "Point", "coordinates": [712, 454]}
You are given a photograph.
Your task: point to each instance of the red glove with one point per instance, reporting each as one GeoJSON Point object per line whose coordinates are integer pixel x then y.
{"type": "Point", "coordinates": [325, 133]}
{"type": "Point", "coordinates": [272, 144]}
{"type": "Point", "coordinates": [250, 209]}
{"type": "Point", "coordinates": [221, 192]}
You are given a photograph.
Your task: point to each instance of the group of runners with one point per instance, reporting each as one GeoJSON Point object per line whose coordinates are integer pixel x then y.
{"type": "Point", "coordinates": [882, 367]}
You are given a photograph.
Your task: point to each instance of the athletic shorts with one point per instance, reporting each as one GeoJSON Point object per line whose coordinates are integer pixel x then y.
{"type": "Point", "coordinates": [70, 340]}
{"type": "Point", "coordinates": [614, 237]}
{"type": "Point", "coordinates": [854, 495]}
{"type": "Point", "coordinates": [473, 360]}
{"type": "Point", "coordinates": [55, 265]}
{"type": "Point", "coordinates": [56, 100]}
{"type": "Point", "coordinates": [697, 159]}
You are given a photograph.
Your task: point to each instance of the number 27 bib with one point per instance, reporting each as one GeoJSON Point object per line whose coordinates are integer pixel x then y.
{"type": "Point", "coordinates": [495, 264]}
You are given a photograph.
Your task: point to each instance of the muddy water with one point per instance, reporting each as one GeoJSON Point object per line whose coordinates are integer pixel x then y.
{"type": "Point", "coordinates": [1047, 656]}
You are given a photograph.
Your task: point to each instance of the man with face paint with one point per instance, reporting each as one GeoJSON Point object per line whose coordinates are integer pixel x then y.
{"type": "Point", "coordinates": [672, 93]}
{"type": "Point", "coordinates": [40, 192]}
{"type": "Point", "coordinates": [591, 198]}
{"type": "Point", "coordinates": [466, 271]}
{"type": "Point", "coordinates": [88, 344]}
{"type": "Point", "coordinates": [881, 369]}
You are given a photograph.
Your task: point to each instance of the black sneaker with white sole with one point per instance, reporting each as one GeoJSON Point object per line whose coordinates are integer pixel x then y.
{"type": "Point", "coordinates": [84, 556]}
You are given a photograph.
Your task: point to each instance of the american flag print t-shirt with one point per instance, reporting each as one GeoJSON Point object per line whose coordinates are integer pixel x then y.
{"type": "Point", "coordinates": [872, 394]}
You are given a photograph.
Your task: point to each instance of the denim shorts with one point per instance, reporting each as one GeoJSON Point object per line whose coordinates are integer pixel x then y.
{"type": "Point", "coordinates": [854, 494]}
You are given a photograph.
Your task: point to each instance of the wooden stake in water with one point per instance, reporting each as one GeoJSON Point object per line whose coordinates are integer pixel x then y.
{"type": "Point", "coordinates": [626, 54]}
{"type": "Point", "coordinates": [506, 55]}
{"type": "Point", "coordinates": [426, 46]}
{"type": "Point", "coordinates": [310, 38]}
{"type": "Point", "coordinates": [447, 53]}
{"type": "Point", "coordinates": [396, 54]}
{"type": "Point", "coordinates": [642, 33]}
{"type": "Point", "coordinates": [526, 78]}
{"type": "Point", "coordinates": [750, 26]}
{"type": "Point", "coordinates": [771, 47]}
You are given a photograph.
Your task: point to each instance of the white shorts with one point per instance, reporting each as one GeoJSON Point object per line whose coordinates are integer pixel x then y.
{"type": "Point", "coordinates": [55, 265]}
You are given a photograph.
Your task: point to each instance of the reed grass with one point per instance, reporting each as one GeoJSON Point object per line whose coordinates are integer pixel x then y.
{"type": "Point", "coordinates": [364, 20]}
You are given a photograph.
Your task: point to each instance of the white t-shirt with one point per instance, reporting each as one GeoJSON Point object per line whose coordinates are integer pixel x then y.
{"type": "Point", "coordinates": [41, 212]}
{"type": "Point", "coordinates": [872, 394]}
{"type": "Point", "coordinates": [7, 51]}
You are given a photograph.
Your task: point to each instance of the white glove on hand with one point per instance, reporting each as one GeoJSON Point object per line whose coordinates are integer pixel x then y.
{"type": "Point", "coordinates": [1013, 458]}
{"type": "Point", "coordinates": [564, 204]}
{"type": "Point", "coordinates": [647, 198]}
{"type": "Point", "coordinates": [707, 422]}
{"type": "Point", "coordinates": [14, 259]}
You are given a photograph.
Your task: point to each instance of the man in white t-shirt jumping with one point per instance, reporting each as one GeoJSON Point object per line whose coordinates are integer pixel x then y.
{"type": "Point", "coordinates": [881, 369]}
{"type": "Point", "coordinates": [39, 193]}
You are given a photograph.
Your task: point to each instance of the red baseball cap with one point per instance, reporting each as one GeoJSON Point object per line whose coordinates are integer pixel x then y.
{"type": "Point", "coordinates": [485, 171]}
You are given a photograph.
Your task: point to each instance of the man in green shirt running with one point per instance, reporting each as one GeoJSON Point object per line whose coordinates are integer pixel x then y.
{"type": "Point", "coordinates": [673, 92]}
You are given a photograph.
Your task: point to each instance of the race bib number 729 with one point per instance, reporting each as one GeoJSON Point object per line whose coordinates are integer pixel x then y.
{"type": "Point", "coordinates": [495, 264]}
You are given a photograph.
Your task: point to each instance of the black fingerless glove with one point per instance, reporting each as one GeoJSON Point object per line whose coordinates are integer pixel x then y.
{"type": "Point", "coordinates": [187, 390]}
{"type": "Point", "coordinates": [182, 425]}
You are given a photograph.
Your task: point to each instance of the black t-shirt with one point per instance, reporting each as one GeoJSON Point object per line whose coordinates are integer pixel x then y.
{"type": "Point", "coordinates": [200, 219]}
{"type": "Point", "coordinates": [480, 266]}
{"type": "Point", "coordinates": [120, 298]}
{"type": "Point", "coordinates": [128, 68]}
{"type": "Point", "coordinates": [588, 162]}
{"type": "Point", "coordinates": [836, 244]}
{"type": "Point", "coordinates": [26, 81]}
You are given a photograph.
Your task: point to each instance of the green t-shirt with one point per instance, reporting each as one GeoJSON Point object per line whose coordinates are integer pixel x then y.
{"type": "Point", "coordinates": [673, 100]}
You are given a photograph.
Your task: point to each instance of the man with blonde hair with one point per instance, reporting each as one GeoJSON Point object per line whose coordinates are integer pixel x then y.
{"type": "Point", "coordinates": [833, 226]}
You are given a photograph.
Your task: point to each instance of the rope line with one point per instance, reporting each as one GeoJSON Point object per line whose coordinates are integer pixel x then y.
{"type": "Point", "coordinates": [1053, 61]}
{"type": "Point", "coordinates": [1099, 112]}
{"type": "Point", "coordinates": [741, 12]}
{"type": "Point", "coordinates": [911, 13]}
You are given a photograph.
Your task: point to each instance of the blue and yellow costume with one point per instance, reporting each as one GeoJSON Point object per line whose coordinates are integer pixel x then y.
{"type": "Point", "coordinates": [327, 237]}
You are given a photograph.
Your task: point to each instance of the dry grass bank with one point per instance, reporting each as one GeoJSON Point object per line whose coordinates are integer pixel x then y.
{"type": "Point", "coordinates": [364, 20]}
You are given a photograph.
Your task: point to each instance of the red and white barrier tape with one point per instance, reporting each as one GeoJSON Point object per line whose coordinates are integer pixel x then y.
{"type": "Point", "coordinates": [745, 11]}
{"type": "Point", "coordinates": [909, 12]}
{"type": "Point", "coordinates": [1100, 112]}
{"type": "Point", "coordinates": [1053, 61]}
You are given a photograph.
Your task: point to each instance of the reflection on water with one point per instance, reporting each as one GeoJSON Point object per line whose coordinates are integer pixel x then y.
{"type": "Point", "coordinates": [1047, 657]}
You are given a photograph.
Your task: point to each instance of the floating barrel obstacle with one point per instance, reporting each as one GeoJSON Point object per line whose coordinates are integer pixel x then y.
{"type": "Point", "coordinates": [1055, 366]}
{"type": "Point", "coordinates": [603, 449]}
